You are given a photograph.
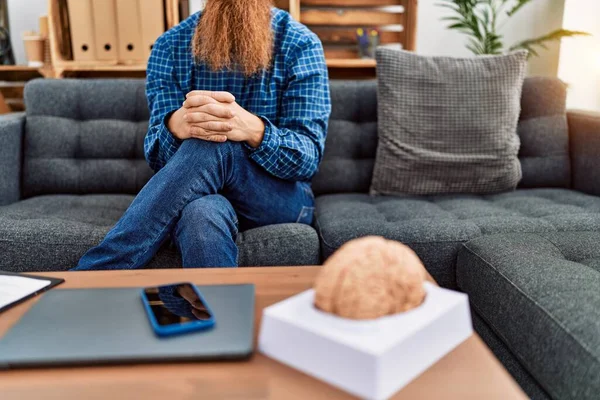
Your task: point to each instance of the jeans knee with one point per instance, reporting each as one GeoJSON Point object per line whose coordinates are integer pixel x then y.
{"type": "Point", "coordinates": [195, 146]}
{"type": "Point", "coordinates": [195, 156]}
{"type": "Point", "coordinates": [212, 210]}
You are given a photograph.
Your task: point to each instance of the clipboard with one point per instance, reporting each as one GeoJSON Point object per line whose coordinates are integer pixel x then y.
{"type": "Point", "coordinates": [53, 283]}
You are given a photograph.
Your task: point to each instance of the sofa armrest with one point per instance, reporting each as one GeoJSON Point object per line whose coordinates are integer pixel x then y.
{"type": "Point", "coordinates": [584, 142]}
{"type": "Point", "coordinates": [11, 157]}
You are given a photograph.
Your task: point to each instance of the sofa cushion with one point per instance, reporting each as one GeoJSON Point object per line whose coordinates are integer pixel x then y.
{"type": "Point", "coordinates": [436, 226]}
{"type": "Point", "coordinates": [447, 125]}
{"type": "Point", "coordinates": [11, 143]}
{"type": "Point", "coordinates": [85, 136]}
{"type": "Point", "coordinates": [544, 134]}
{"type": "Point", "coordinates": [540, 294]}
{"type": "Point", "coordinates": [351, 145]}
{"type": "Point", "coordinates": [51, 233]}
{"type": "Point", "coordinates": [508, 359]}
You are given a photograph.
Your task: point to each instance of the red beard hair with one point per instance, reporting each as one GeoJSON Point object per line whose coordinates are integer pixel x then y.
{"type": "Point", "coordinates": [235, 35]}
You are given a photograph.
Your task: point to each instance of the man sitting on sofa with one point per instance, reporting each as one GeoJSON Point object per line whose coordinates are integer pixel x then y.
{"type": "Point", "coordinates": [239, 101]}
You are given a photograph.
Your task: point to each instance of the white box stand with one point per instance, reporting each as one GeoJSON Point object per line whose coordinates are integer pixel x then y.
{"type": "Point", "coordinates": [371, 359]}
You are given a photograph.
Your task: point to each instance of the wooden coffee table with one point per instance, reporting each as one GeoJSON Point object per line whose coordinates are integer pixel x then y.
{"type": "Point", "coordinates": [469, 371]}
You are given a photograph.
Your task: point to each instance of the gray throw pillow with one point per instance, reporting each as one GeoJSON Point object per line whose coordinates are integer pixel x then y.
{"type": "Point", "coordinates": [447, 125]}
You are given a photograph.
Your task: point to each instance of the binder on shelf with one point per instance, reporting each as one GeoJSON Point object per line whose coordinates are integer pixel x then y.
{"type": "Point", "coordinates": [129, 31]}
{"type": "Point", "coordinates": [105, 29]}
{"type": "Point", "coordinates": [152, 23]}
{"type": "Point", "coordinates": [63, 31]}
{"type": "Point", "coordinates": [82, 30]}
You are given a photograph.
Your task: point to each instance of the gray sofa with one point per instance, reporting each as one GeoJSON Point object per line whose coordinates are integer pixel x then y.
{"type": "Point", "coordinates": [528, 259]}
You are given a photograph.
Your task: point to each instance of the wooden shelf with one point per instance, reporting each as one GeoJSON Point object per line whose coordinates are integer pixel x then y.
{"type": "Point", "coordinates": [351, 68]}
{"type": "Point", "coordinates": [20, 73]}
{"type": "Point", "coordinates": [63, 66]}
{"type": "Point", "coordinates": [335, 22]}
{"type": "Point", "coordinates": [103, 68]}
{"type": "Point", "coordinates": [25, 73]}
{"type": "Point", "coordinates": [78, 70]}
{"type": "Point", "coordinates": [350, 63]}
{"type": "Point", "coordinates": [12, 84]}
{"type": "Point", "coordinates": [17, 68]}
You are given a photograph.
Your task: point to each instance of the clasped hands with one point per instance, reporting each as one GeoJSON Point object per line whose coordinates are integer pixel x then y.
{"type": "Point", "coordinates": [215, 117]}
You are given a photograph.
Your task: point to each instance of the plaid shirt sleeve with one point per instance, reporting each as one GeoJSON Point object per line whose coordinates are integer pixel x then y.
{"type": "Point", "coordinates": [293, 148]}
{"type": "Point", "coordinates": [164, 97]}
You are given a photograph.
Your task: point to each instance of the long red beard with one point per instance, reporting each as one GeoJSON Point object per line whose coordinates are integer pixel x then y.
{"type": "Point", "coordinates": [235, 35]}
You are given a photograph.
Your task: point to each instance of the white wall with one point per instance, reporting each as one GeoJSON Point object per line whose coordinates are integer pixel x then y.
{"type": "Point", "coordinates": [580, 59]}
{"type": "Point", "coordinates": [23, 15]}
{"type": "Point", "coordinates": [537, 18]}
{"type": "Point", "coordinates": [196, 5]}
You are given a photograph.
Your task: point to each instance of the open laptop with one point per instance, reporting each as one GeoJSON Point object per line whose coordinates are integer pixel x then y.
{"type": "Point", "coordinates": [110, 326]}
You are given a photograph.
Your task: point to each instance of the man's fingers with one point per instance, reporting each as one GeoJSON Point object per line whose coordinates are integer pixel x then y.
{"type": "Point", "coordinates": [215, 109]}
{"type": "Point", "coordinates": [197, 117]}
{"type": "Point", "coordinates": [218, 110]}
{"type": "Point", "coordinates": [215, 138]}
{"type": "Point", "coordinates": [224, 97]}
{"type": "Point", "coordinates": [191, 118]}
{"type": "Point", "coordinates": [198, 101]}
{"type": "Point", "coordinates": [216, 126]}
{"type": "Point", "coordinates": [201, 117]}
{"type": "Point", "coordinates": [199, 133]}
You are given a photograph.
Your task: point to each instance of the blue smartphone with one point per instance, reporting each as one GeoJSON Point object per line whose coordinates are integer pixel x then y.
{"type": "Point", "coordinates": [177, 309]}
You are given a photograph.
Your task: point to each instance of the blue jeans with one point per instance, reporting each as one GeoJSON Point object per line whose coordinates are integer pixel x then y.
{"type": "Point", "coordinates": [205, 193]}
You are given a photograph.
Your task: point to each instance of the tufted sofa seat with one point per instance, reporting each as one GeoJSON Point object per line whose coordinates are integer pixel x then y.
{"type": "Point", "coordinates": [51, 233]}
{"type": "Point", "coordinates": [436, 226]}
{"type": "Point", "coordinates": [540, 295]}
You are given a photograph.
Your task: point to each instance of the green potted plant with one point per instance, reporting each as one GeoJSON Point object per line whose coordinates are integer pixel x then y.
{"type": "Point", "coordinates": [482, 21]}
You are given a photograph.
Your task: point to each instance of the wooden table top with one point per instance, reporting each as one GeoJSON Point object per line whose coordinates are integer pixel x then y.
{"type": "Point", "coordinates": [468, 372]}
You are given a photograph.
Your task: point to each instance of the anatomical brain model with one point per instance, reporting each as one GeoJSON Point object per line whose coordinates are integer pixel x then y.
{"type": "Point", "coordinates": [370, 277]}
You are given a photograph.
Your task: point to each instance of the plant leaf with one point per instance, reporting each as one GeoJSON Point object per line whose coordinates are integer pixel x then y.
{"type": "Point", "coordinates": [477, 47]}
{"type": "Point", "coordinates": [457, 26]}
{"type": "Point", "coordinates": [520, 4]}
{"type": "Point", "coordinates": [451, 19]}
{"type": "Point", "coordinates": [543, 40]}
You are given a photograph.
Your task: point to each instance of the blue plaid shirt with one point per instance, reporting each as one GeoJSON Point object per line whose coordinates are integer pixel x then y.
{"type": "Point", "coordinates": [291, 97]}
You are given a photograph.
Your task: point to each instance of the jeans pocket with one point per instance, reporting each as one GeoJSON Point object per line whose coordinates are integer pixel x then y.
{"type": "Point", "coordinates": [306, 215]}
{"type": "Point", "coordinates": [309, 192]}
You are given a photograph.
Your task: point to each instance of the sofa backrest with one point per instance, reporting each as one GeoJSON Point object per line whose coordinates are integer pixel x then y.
{"type": "Point", "coordinates": [347, 165]}
{"type": "Point", "coordinates": [86, 136]}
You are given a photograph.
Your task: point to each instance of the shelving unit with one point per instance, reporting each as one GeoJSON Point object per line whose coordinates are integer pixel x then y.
{"type": "Point", "coordinates": [12, 83]}
{"type": "Point", "coordinates": [14, 77]}
{"type": "Point", "coordinates": [336, 21]}
{"type": "Point", "coordinates": [62, 67]}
